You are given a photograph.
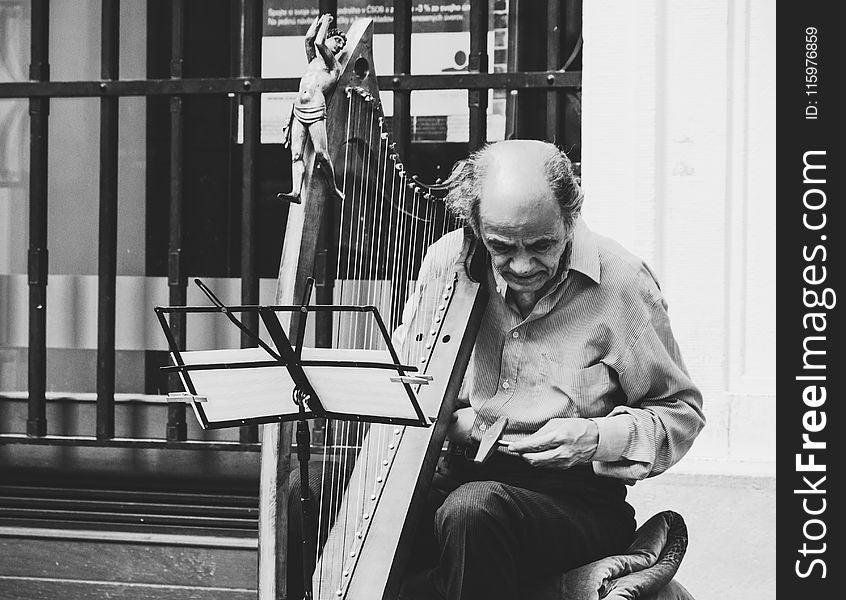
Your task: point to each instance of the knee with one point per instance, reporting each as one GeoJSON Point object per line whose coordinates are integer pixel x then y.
{"type": "Point", "coordinates": [473, 504]}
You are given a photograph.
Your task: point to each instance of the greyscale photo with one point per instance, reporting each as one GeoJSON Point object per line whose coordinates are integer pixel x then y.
{"type": "Point", "coordinates": [387, 299]}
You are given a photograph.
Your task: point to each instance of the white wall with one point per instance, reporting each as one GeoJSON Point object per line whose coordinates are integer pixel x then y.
{"type": "Point", "coordinates": [678, 165]}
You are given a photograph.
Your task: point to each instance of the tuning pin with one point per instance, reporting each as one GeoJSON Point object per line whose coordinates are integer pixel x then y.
{"type": "Point", "coordinates": [349, 91]}
{"type": "Point", "coordinates": [384, 134]}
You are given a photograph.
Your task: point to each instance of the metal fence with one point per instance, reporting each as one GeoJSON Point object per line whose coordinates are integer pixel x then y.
{"type": "Point", "coordinates": [247, 86]}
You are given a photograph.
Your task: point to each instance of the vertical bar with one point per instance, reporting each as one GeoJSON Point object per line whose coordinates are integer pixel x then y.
{"type": "Point", "coordinates": [107, 257]}
{"type": "Point", "coordinates": [324, 285]}
{"type": "Point", "coordinates": [401, 122]}
{"type": "Point", "coordinates": [177, 280]}
{"type": "Point", "coordinates": [512, 102]}
{"type": "Point", "coordinates": [329, 6]}
{"type": "Point", "coordinates": [250, 66]}
{"type": "Point", "coordinates": [39, 109]}
{"type": "Point", "coordinates": [553, 58]}
{"type": "Point", "coordinates": [477, 100]}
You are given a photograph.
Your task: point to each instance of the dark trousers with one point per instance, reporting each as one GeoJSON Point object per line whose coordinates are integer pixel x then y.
{"type": "Point", "coordinates": [490, 531]}
{"type": "Point", "coordinates": [495, 530]}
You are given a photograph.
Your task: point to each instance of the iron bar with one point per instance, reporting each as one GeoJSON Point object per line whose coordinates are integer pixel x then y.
{"type": "Point", "coordinates": [401, 121]}
{"type": "Point", "coordinates": [235, 85]}
{"type": "Point", "coordinates": [70, 440]}
{"type": "Point", "coordinates": [477, 99]}
{"type": "Point", "coordinates": [39, 108]}
{"type": "Point", "coordinates": [553, 60]}
{"type": "Point", "coordinates": [250, 66]}
{"type": "Point", "coordinates": [330, 7]}
{"type": "Point", "coordinates": [107, 256]}
{"type": "Point", "coordinates": [177, 427]}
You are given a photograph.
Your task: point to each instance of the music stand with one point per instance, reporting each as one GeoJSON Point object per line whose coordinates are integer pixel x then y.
{"type": "Point", "coordinates": [350, 385]}
{"type": "Point", "coordinates": [309, 392]}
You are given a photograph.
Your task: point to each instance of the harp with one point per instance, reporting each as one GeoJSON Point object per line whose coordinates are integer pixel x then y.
{"type": "Point", "coordinates": [387, 219]}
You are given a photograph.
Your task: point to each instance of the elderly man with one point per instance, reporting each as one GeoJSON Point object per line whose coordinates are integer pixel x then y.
{"type": "Point", "coordinates": [576, 350]}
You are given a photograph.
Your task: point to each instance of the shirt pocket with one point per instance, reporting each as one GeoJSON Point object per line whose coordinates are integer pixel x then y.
{"type": "Point", "coordinates": [587, 391]}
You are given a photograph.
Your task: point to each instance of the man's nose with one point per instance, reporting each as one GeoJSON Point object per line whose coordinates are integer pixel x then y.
{"type": "Point", "coordinates": [521, 264]}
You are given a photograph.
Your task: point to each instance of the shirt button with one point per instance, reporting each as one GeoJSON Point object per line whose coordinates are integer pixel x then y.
{"type": "Point", "coordinates": [482, 427]}
{"type": "Point", "coordinates": [515, 334]}
{"type": "Point", "coordinates": [505, 385]}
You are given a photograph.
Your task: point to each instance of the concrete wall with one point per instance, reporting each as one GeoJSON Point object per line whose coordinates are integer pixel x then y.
{"type": "Point", "coordinates": [678, 165]}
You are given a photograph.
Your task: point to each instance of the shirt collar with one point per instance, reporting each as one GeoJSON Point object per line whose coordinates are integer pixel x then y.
{"type": "Point", "coordinates": [581, 255]}
{"type": "Point", "coordinates": [584, 255]}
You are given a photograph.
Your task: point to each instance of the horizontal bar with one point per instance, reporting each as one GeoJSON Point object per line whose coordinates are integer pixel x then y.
{"type": "Point", "coordinates": [141, 528]}
{"type": "Point", "coordinates": [88, 397]}
{"type": "Point", "coordinates": [128, 495]}
{"type": "Point", "coordinates": [275, 363]}
{"type": "Point", "coordinates": [241, 541]}
{"type": "Point", "coordinates": [69, 440]}
{"type": "Point", "coordinates": [256, 85]}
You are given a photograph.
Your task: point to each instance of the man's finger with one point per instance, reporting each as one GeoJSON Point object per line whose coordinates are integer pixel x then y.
{"type": "Point", "coordinates": [539, 458]}
{"type": "Point", "coordinates": [537, 442]}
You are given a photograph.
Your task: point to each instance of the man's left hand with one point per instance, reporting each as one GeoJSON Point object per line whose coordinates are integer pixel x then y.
{"type": "Point", "coordinates": [562, 443]}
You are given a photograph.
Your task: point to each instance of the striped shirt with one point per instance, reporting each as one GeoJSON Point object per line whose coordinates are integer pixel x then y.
{"type": "Point", "coordinates": [597, 345]}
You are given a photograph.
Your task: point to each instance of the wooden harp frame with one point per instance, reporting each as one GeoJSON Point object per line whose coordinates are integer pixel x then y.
{"type": "Point", "coordinates": [386, 546]}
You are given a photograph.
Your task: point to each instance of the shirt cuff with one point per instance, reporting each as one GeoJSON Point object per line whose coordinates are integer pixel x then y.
{"type": "Point", "coordinates": [613, 437]}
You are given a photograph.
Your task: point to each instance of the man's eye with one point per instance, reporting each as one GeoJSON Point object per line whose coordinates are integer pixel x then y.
{"type": "Point", "coordinates": [541, 247]}
{"type": "Point", "coordinates": [500, 248]}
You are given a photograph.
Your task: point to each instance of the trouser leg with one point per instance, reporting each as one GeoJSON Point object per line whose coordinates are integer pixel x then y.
{"type": "Point", "coordinates": [496, 540]}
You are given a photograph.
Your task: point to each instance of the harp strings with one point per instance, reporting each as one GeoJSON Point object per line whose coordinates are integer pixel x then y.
{"type": "Point", "coordinates": [386, 222]}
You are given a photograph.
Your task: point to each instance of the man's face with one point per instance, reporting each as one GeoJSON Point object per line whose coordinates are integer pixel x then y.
{"type": "Point", "coordinates": [521, 226]}
{"type": "Point", "coordinates": [335, 44]}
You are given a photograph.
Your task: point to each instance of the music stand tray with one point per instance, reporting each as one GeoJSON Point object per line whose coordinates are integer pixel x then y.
{"type": "Point", "coordinates": [235, 387]}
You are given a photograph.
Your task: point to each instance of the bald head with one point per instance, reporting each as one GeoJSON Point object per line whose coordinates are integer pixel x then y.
{"type": "Point", "coordinates": [520, 174]}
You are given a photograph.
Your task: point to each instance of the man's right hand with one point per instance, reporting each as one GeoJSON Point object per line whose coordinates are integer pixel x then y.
{"type": "Point", "coordinates": [461, 425]}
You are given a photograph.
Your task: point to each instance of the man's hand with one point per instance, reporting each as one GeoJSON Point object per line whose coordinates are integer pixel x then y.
{"type": "Point", "coordinates": [561, 443]}
{"type": "Point", "coordinates": [461, 425]}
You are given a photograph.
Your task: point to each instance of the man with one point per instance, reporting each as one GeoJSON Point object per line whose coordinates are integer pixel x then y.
{"type": "Point", "coordinates": [576, 350]}
{"type": "Point", "coordinates": [308, 117]}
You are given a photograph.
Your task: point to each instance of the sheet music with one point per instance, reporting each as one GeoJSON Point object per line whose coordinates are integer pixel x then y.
{"type": "Point", "coordinates": [242, 394]}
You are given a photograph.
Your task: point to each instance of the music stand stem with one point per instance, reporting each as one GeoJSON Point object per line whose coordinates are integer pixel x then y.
{"type": "Point", "coordinates": [306, 504]}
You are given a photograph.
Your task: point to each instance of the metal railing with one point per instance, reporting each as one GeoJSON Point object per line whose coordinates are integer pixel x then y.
{"type": "Point", "coordinates": [247, 87]}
